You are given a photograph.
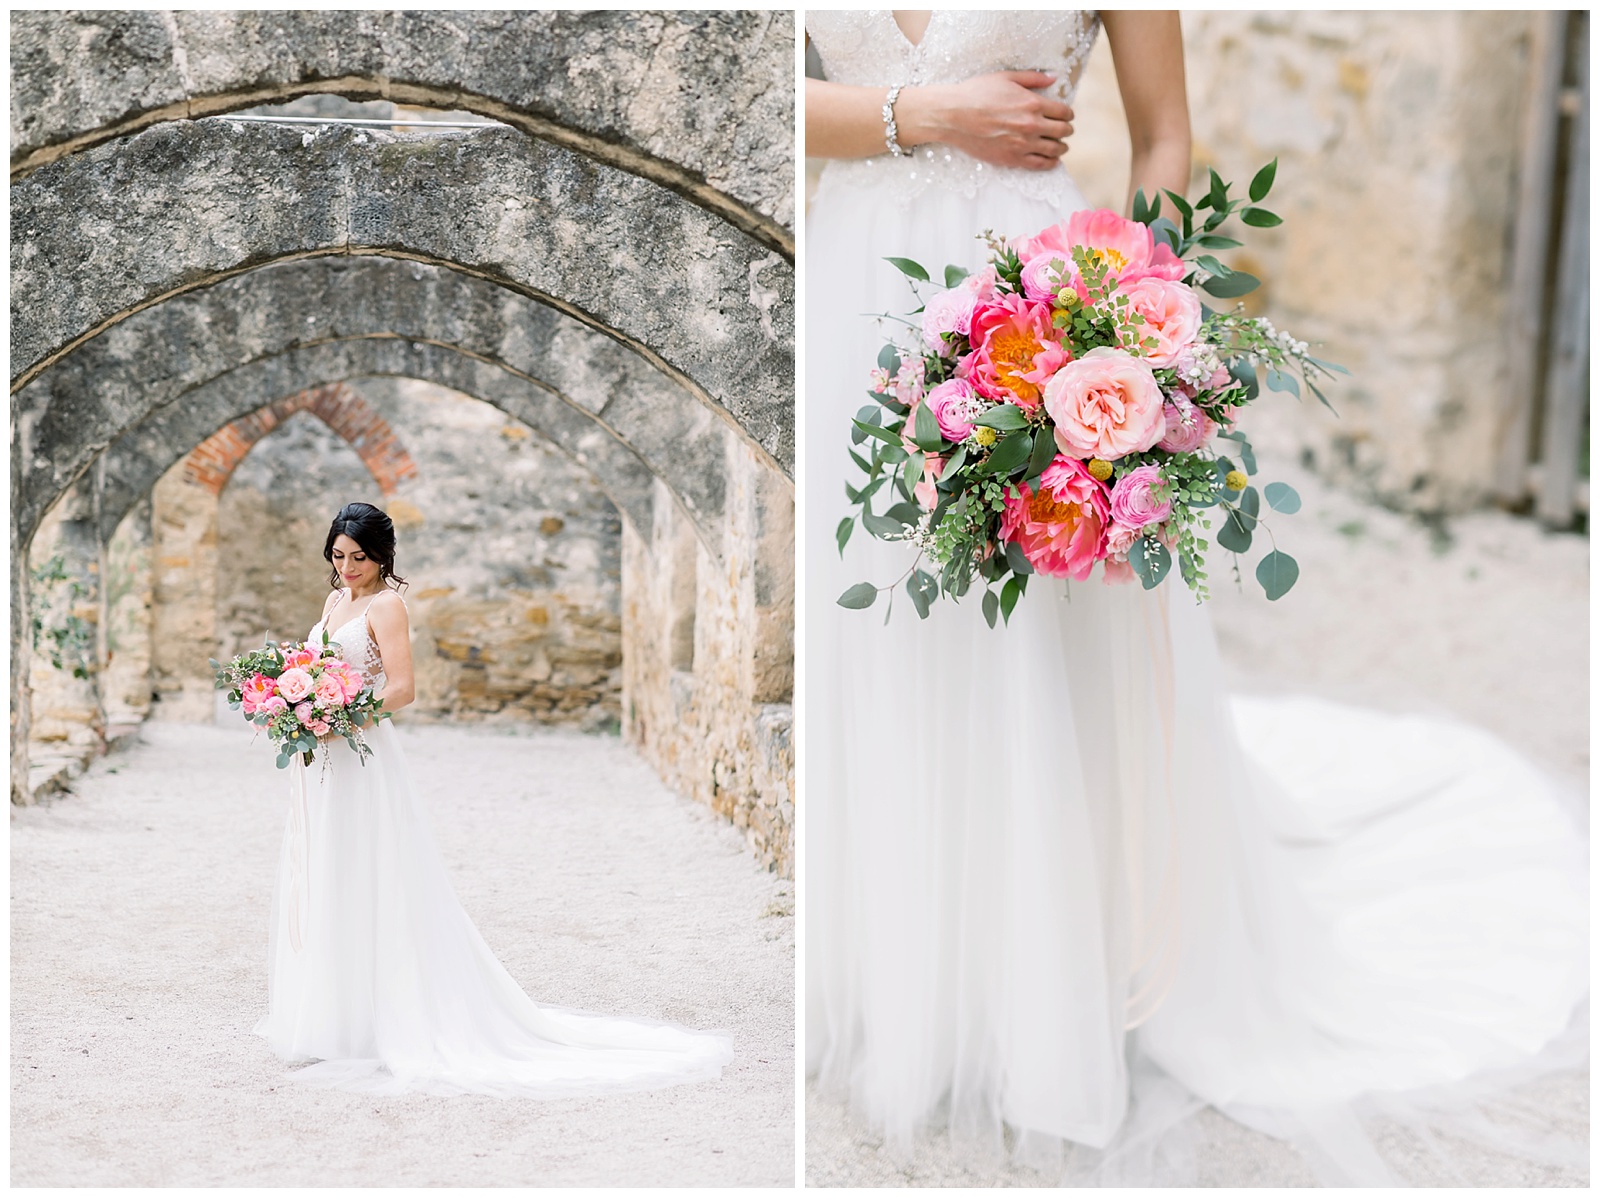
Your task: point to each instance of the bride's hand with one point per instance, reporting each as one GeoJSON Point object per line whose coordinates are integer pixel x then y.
{"type": "Point", "coordinates": [998, 118]}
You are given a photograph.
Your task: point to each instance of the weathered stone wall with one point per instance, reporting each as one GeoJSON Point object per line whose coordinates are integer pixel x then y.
{"type": "Point", "coordinates": [1396, 135]}
{"type": "Point", "coordinates": [708, 655]}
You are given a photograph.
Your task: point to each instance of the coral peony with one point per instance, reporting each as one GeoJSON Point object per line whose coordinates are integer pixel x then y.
{"type": "Point", "coordinates": [301, 659]}
{"type": "Point", "coordinates": [1060, 530]}
{"type": "Point", "coordinates": [1172, 315]}
{"type": "Point", "coordinates": [1014, 351]}
{"type": "Point", "coordinates": [1128, 248]}
{"type": "Point", "coordinates": [256, 691]}
{"type": "Point", "coordinates": [1132, 504]}
{"type": "Point", "coordinates": [1106, 405]}
{"type": "Point", "coordinates": [294, 684]}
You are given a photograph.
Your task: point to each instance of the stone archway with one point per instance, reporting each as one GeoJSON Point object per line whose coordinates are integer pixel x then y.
{"type": "Point", "coordinates": [700, 102]}
{"type": "Point", "coordinates": [193, 204]}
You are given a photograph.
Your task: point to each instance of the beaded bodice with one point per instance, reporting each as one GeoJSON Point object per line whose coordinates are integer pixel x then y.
{"type": "Point", "coordinates": [867, 48]}
{"type": "Point", "coordinates": [354, 641]}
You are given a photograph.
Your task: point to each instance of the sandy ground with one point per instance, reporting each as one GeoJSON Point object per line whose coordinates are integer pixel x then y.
{"type": "Point", "coordinates": [139, 909]}
{"type": "Point", "coordinates": [1485, 617]}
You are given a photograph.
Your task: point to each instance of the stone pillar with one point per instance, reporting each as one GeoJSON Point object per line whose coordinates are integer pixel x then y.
{"type": "Point", "coordinates": [66, 718]}
{"type": "Point", "coordinates": [128, 594]}
{"type": "Point", "coordinates": [183, 627]}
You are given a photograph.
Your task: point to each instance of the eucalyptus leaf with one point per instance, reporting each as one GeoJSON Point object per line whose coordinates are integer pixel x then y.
{"type": "Point", "coordinates": [1005, 418]}
{"type": "Point", "coordinates": [1163, 229]}
{"type": "Point", "coordinates": [1334, 366]}
{"type": "Point", "coordinates": [1234, 535]}
{"type": "Point", "coordinates": [1242, 370]}
{"type": "Point", "coordinates": [953, 275]}
{"type": "Point", "coordinates": [859, 596]}
{"type": "Point", "coordinates": [842, 533]}
{"type": "Point", "coordinates": [1250, 507]}
{"type": "Point", "coordinates": [917, 587]}
{"type": "Point", "coordinates": [1281, 497]}
{"type": "Point", "coordinates": [1017, 559]}
{"type": "Point", "coordinates": [991, 607]}
{"type": "Point", "coordinates": [1277, 573]}
{"type": "Point", "coordinates": [1278, 380]}
{"type": "Point", "coordinates": [911, 270]}
{"type": "Point", "coordinates": [889, 359]}
{"type": "Point", "coordinates": [1150, 561]}
{"type": "Point", "coordinates": [882, 526]}
{"type": "Point", "coordinates": [1262, 183]}
{"type": "Point", "coordinates": [1236, 284]}
{"type": "Point", "coordinates": [1317, 391]}
{"type": "Point", "coordinates": [906, 513]}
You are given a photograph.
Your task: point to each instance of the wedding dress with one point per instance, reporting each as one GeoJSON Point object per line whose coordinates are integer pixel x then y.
{"type": "Point", "coordinates": [1057, 882]}
{"type": "Point", "coordinates": [378, 975]}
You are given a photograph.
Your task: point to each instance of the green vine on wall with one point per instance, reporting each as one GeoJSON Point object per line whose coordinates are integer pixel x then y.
{"type": "Point", "coordinates": [62, 635]}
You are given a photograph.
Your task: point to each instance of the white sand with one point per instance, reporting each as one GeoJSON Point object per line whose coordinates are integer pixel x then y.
{"type": "Point", "coordinates": [139, 915]}
{"type": "Point", "coordinates": [1489, 622]}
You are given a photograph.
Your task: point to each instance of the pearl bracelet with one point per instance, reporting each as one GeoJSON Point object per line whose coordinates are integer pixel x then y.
{"type": "Point", "coordinates": [890, 132]}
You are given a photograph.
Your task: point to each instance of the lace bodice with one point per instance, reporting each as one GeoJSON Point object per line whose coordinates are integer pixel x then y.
{"type": "Point", "coordinates": [356, 646]}
{"type": "Point", "coordinates": [866, 48]}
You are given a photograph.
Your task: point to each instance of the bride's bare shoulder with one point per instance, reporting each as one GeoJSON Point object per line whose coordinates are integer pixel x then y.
{"type": "Point", "coordinates": [333, 598]}
{"type": "Point", "coordinates": [388, 606]}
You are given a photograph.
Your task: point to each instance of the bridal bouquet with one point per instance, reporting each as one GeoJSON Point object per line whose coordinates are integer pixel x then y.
{"type": "Point", "coordinates": [1067, 406]}
{"type": "Point", "coordinates": [301, 693]}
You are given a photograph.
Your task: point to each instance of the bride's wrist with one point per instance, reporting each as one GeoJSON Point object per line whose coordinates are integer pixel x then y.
{"type": "Point", "coordinates": [918, 116]}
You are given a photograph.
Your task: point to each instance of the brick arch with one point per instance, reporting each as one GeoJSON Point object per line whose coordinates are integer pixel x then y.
{"type": "Point", "coordinates": [211, 463]}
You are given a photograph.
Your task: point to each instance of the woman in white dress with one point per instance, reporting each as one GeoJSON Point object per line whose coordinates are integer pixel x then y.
{"type": "Point", "coordinates": [375, 971]}
{"type": "Point", "coordinates": [1057, 884]}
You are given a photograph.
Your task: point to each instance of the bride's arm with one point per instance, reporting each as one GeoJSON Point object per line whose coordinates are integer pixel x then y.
{"type": "Point", "coordinates": [391, 631]}
{"type": "Point", "coordinates": [996, 118]}
{"type": "Point", "coordinates": [1147, 51]}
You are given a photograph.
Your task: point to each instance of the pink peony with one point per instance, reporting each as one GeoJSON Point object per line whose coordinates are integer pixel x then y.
{"type": "Point", "coordinates": [1014, 351]}
{"type": "Point", "coordinates": [349, 677]}
{"type": "Point", "coordinates": [1188, 428]}
{"type": "Point", "coordinates": [294, 684]}
{"type": "Point", "coordinates": [1061, 530]}
{"type": "Point", "coordinates": [1172, 315]}
{"type": "Point", "coordinates": [1126, 246]}
{"type": "Point", "coordinates": [329, 690]}
{"type": "Point", "coordinates": [1132, 505]}
{"type": "Point", "coordinates": [273, 705]}
{"type": "Point", "coordinates": [1105, 405]}
{"type": "Point", "coordinates": [955, 405]}
{"type": "Point", "coordinates": [256, 691]}
{"type": "Point", "coordinates": [305, 713]}
{"type": "Point", "coordinates": [301, 659]}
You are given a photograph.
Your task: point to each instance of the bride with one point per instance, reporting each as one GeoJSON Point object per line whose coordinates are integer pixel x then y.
{"type": "Point", "coordinates": [375, 971]}
{"type": "Point", "coordinates": [1061, 891]}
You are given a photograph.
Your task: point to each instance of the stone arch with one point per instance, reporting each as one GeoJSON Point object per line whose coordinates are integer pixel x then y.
{"type": "Point", "coordinates": [211, 463]}
{"type": "Point", "coordinates": [336, 318]}
{"type": "Point", "coordinates": [697, 102]}
{"type": "Point", "coordinates": [194, 204]}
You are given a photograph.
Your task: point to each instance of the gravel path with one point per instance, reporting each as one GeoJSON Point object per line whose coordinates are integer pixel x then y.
{"type": "Point", "coordinates": [139, 909]}
{"type": "Point", "coordinates": [1485, 617]}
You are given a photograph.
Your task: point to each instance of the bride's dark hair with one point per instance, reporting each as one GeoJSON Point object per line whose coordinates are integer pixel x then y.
{"type": "Point", "coordinates": [368, 527]}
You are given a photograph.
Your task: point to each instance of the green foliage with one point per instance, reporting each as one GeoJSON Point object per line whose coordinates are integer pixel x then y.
{"type": "Point", "coordinates": [65, 638]}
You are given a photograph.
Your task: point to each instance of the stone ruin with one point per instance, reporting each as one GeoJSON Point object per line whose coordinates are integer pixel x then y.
{"type": "Point", "coordinates": [555, 340]}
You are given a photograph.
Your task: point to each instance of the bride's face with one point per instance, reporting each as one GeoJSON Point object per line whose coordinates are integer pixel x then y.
{"type": "Point", "coordinates": [354, 566]}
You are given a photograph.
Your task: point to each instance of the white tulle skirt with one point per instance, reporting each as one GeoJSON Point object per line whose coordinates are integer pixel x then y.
{"type": "Point", "coordinates": [1058, 882]}
{"type": "Point", "coordinates": [378, 975]}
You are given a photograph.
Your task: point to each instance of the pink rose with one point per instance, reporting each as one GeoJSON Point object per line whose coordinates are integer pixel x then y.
{"type": "Point", "coordinates": [319, 727]}
{"type": "Point", "coordinates": [1119, 539]}
{"type": "Point", "coordinates": [294, 684]}
{"type": "Point", "coordinates": [1128, 248]}
{"type": "Point", "coordinates": [1105, 405]}
{"type": "Point", "coordinates": [305, 713]}
{"type": "Point", "coordinates": [329, 691]}
{"type": "Point", "coordinates": [955, 405]}
{"type": "Point", "coordinates": [1118, 572]}
{"type": "Point", "coordinates": [1061, 530]}
{"type": "Point", "coordinates": [273, 705]}
{"type": "Point", "coordinates": [301, 659]}
{"type": "Point", "coordinates": [256, 691]}
{"type": "Point", "coordinates": [1015, 351]}
{"type": "Point", "coordinates": [1040, 278]}
{"type": "Point", "coordinates": [1172, 315]}
{"type": "Point", "coordinates": [1188, 428]}
{"type": "Point", "coordinates": [1132, 504]}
